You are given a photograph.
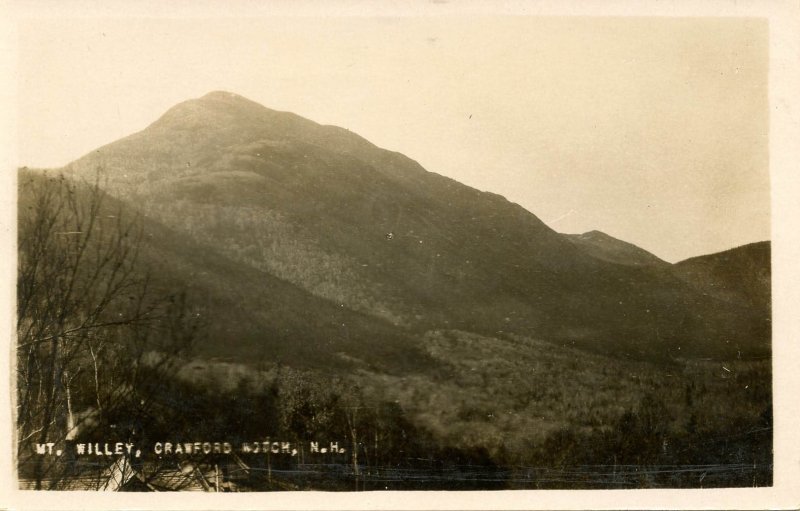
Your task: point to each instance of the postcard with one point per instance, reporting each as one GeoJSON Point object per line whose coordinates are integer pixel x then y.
{"type": "Point", "coordinates": [437, 255]}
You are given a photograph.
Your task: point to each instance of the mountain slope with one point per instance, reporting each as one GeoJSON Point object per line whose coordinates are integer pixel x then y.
{"type": "Point", "coordinates": [250, 315]}
{"type": "Point", "coordinates": [371, 231]}
{"type": "Point", "coordinates": [607, 248]}
{"type": "Point", "coordinates": [740, 275]}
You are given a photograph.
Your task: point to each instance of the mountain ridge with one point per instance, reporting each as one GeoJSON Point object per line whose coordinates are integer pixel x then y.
{"type": "Point", "coordinates": [373, 231]}
{"type": "Point", "coordinates": [606, 247]}
{"type": "Point", "coordinates": [741, 274]}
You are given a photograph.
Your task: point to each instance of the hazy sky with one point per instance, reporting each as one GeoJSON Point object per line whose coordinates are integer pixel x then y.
{"type": "Point", "coordinates": [652, 130]}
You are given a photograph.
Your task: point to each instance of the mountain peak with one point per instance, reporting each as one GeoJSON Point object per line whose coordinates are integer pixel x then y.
{"type": "Point", "coordinates": [217, 94]}
{"type": "Point", "coordinates": [224, 96]}
{"type": "Point", "coordinates": [312, 205]}
{"type": "Point", "coordinates": [221, 118]}
{"type": "Point", "coordinates": [608, 248]}
{"type": "Point", "coordinates": [223, 102]}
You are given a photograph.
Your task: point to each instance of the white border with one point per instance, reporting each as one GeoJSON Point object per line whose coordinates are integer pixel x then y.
{"type": "Point", "coordinates": [784, 29]}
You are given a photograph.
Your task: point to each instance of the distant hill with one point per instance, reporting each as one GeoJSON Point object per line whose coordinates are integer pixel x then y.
{"type": "Point", "coordinates": [294, 220]}
{"type": "Point", "coordinates": [607, 248]}
{"type": "Point", "coordinates": [740, 275]}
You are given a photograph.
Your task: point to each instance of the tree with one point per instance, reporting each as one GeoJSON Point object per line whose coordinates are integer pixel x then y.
{"type": "Point", "coordinates": [88, 326]}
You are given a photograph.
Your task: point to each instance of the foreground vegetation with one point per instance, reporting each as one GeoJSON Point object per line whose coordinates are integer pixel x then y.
{"type": "Point", "coordinates": [507, 413]}
{"type": "Point", "coordinates": [596, 421]}
{"type": "Point", "coordinates": [639, 426]}
{"type": "Point", "coordinates": [488, 388]}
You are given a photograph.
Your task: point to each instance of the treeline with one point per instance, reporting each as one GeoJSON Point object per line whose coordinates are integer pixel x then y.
{"type": "Point", "coordinates": [382, 447]}
{"type": "Point", "coordinates": [647, 447]}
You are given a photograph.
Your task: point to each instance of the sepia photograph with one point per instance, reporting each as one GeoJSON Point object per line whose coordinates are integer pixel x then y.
{"type": "Point", "coordinates": [392, 252]}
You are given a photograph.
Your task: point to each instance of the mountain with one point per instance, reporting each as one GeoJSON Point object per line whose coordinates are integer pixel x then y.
{"type": "Point", "coordinates": [251, 315]}
{"type": "Point", "coordinates": [302, 219]}
{"type": "Point", "coordinates": [740, 275]}
{"type": "Point", "coordinates": [607, 248]}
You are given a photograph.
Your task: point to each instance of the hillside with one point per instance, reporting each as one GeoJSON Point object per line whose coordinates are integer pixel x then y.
{"type": "Point", "coordinates": [740, 275]}
{"type": "Point", "coordinates": [607, 248]}
{"type": "Point", "coordinates": [342, 223]}
{"type": "Point", "coordinates": [248, 314]}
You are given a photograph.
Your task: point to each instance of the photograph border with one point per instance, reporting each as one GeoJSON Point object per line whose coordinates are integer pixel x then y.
{"type": "Point", "coordinates": [784, 138]}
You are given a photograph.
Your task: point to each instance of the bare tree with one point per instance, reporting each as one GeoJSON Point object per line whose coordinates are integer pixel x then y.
{"type": "Point", "coordinates": [83, 302]}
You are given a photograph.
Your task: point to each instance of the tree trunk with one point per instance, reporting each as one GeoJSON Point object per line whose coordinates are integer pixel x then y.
{"type": "Point", "coordinates": [49, 410]}
{"type": "Point", "coordinates": [70, 415]}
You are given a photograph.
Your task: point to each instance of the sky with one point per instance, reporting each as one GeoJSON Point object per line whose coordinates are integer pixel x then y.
{"type": "Point", "coordinates": [653, 130]}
